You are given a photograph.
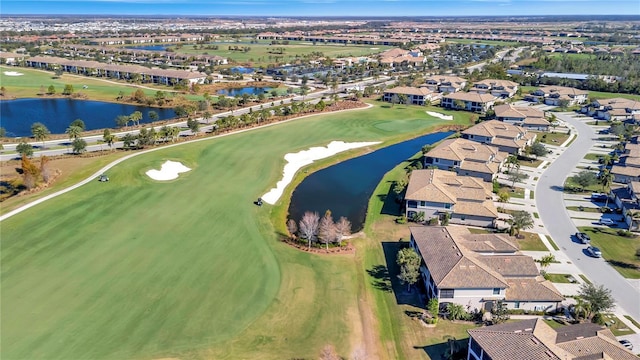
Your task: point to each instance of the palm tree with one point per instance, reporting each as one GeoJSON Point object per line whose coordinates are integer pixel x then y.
{"type": "Point", "coordinates": [136, 116]}
{"type": "Point", "coordinates": [108, 137]}
{"type": "Point", "coordinates": [512, 160]}
{"type": "Point", "coordinates": [582, 308]}
{"type": "Point", "coordinates": [546, 260]}
{"type": "Point", "coordinates": [74, 132]}
{"type": "Point", "coordinates": [40, 132]}
{"type": "Point", "coordinates": [520, 220]}
{"type": "Point", "coordinates": [606, 179]}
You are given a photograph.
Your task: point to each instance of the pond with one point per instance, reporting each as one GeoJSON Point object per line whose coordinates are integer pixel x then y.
{"type": "Point", "coordinates": [242, 70]}
{"type": "Point", "coordinates": [345, 188]}
{"type": "Point", "coordinates": [17, 116]}
{"type": "Point", "coordinates": [149, 47]}
{"type": "Point", "coordinates": [244, 90]}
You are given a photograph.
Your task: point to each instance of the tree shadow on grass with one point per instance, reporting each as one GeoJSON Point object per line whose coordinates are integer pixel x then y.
{"type": "Point", "coordinates": [623, 265]}
{"type": "Point", "coordinates": [380, 276]}
{"type": "Point", "coordinates": [439, 351]}
{"type": "Point", "coordinates": [390, 206]}
{"type": "Point", "coordinates": [403, 296]}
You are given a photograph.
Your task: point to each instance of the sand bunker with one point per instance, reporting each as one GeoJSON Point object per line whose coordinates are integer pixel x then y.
{"type": "Point", "coordinates": [13, 73]}
{"type": "Point", "coordinates": [305, 157]}
{"type": "Point", "coordinates": [168, 171]}
{"type": "Point", "coordinates": [440, 116]}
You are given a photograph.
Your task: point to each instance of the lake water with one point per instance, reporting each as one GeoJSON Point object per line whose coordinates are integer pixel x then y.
{"type": "Point", "coordinates": [17, 116]}
{"type": "Point", "coordinates": [149, 47]}
{"type": "Point", "coordinates": [345, 188]}
{"type": "Point", "coordinates": [242, 70]}
{"type": "Point", "coordinates": [244, 90]}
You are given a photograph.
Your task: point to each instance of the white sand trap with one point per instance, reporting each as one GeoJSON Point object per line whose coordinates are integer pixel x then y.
{"type": "Point", "coordinates": [305, 157]}
{"type": "Point", "coordinates": [374, 48]}
{"type": "Point", "coordinates": [13, 73]}
{"type": "Point", "coordinates": [168, 171]}
{"type": "Point", "coordinates": [440, 116]}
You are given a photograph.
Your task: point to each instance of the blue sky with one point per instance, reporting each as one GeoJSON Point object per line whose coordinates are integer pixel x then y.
{"type": "Point", "coordinates": [323, 7]}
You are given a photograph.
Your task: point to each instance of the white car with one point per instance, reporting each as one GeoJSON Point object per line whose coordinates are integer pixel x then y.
{"type": "Point", "coordinates": [607, 222]}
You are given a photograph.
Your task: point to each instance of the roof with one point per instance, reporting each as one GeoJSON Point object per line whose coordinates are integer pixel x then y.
{"type": "Point", "coordinates": [501, 133]}
{"type": "Point", "coordinates": [407, 90]}
{"type": "Point", "coordinates": [531, 289]}
{"type": "Point", "coordinates": [462, 149]}
{"type": "Point", "coordinates": [469, 195]}
{"type": "Point", "coordinates": [508, 110]}
{"type": "Point", "coordinates": [512, 265]}
{"type": "Point", "coordinates": [496, 83]}
{"type": "Point", "coordinates": [533, 339]}
{"type": "Point", "coordinates": [471, 96]}
{"type": "Point", "coordinates": [562, 90]}
{"type": "Point", "coordinates": [445, 79]}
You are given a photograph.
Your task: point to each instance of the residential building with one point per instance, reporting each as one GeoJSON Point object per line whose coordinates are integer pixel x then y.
{"type": "Point", "coordinates": [11, 58]}
{"type": "Point", "coordinates": [470, 101]}
{"type": "Point", "coordinates": [498, 88]}
{"type": "Point", "coordinates": [533, 339]}
{"type": "Point", "coordinates": [613, 109]}
{"type": "Point", "coordinates": [467, 158]}
{"type": "Point", "coordinates": [445, 83]}
{"type": "Point", "coordinates": [94, 68]}
{"type": "Point", "coordinates": [397, 56]}
{"type": "Point", "coordinates": [627, 198]}
{"type": "Point", "coordinates": [558, 95]}
{"type": "Point", "coordinates": [627, 169]}
{"type": "Point", "coordinates": [414, 95]}
{"type": "Point", "coordinates": [506, 137]}
{"type": "Point", "coordinates": [478, 270]}
{"type": "Point", "coordinates": [468, 200]}
{"type": "Point", "coordinates": [523, 116]}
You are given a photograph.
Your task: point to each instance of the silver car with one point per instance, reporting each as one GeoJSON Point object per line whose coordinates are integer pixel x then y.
{"type": "Point", "coordinates": [594, 251]}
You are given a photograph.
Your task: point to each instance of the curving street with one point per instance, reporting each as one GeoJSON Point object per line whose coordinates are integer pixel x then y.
{"type": "Point", "coordinates": [554, 215]}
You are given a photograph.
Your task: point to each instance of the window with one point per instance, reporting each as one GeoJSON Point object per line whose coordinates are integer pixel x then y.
{"type": "Point", "coordinates": [496, 291]}
{"type": "Point", "coordinates": [436, 160]}
{"type": "Point", "coordinates": [423, 203]}
{"type": "Point", "coordinates": [463, 217]}
{"type": "Point", "coordinates": [412, 204]}
{"type": "Point", "coordinates": [447, 206]}
{"type": "Point", "coordinates": [446, 294]}
{"type": "Point", "coordinates": [517, 305]}
{"type": "Point", "coordinates": [456, 162]}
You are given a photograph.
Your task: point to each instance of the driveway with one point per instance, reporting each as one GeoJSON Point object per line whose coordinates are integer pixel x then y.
{"type": "Point", "coordinates": [554, 215]}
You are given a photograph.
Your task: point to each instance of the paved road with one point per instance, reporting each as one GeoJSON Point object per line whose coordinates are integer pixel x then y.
{"type": "Point", "coordinates": [550, 203]}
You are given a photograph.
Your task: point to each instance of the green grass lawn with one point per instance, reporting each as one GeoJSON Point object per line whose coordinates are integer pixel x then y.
{"type": "Point", "coordinates": [553, 138]}
{"type": "Point", "coordinates": [558, 278]}
{"type": "Point", "coordinates": [619, 251]}
{"type": "Point", "coordinates": [260, 55]}
{"type": "Point", "coordinates": [191, 268]}
{"type": "Point", "coordinates": [531, 242]}
{"type": "Point", "coordinates": [553, 244]}
{"type": "Point", "coordinates": [609, 95]}
{"type": "Point", "coordinates": [617, 327]}
{"type": "Point", "coordinates": [28, 85]}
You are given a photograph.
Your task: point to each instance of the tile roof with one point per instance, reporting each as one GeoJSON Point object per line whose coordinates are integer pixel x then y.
{"type": "Point", "coordinates": [445, 79]}
{"type": "Point", "coordinates": [508, 110]}
{"type": "Point", "coordinates": [488, 243]}
{"type": "Point", "coordinates": [512, 265]}
{"type": "Point", "coordinates": [531, 289]}
{"type": "Point", "coordinates": [471, 96]}
{"type": "Point", "coordinates": [563, 90]}
{"type": "Point", "coordinates": [407, 90]}
{"type": "Point", "coordinates": [493, 83]}
{"type": "Point", "coordinates": [533, 339]}
{"type": "Point", "coordinates": [462, 149]}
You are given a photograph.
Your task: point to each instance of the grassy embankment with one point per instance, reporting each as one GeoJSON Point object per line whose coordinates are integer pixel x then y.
{"type": "Point", "coordinates": [191, 268]}
{"type": "Point", "coordinates": [619, 251]}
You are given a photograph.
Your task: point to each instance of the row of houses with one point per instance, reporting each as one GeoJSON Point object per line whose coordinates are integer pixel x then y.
{"type": "Point", "coordinates": [627, 168]}
{"type": "Point", "coordinates": [126, 72]}
{"type": "Point", "coordinates": [146, 39]}
{"type": "Point", "coordinates": [613, 109]}
{"type": "Point", "coordinates": [459, 173]}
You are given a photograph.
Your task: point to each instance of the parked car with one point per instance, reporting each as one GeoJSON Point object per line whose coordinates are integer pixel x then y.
{"type": "Point", "coordinates": [583, 238]}
{"type": "Point", "coordinates": [594, 251]}
{"type": "Point", "coordinates": [626, 343]}
{"type": "Point", "coordinates": [599, 197]}
{"type": "Point", "coordinates": [607, 222]}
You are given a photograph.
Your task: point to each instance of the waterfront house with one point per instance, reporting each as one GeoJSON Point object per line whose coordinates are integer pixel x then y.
{"type": "Point", "coordinates": [478, 270]}
{"type": "Point", "coordinates": [468, 200]}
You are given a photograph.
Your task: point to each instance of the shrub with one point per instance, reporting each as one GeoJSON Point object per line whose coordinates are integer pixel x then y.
{"type": "Point", "coordinates": [433, 221]}
{"type": "Point", "coordinates": [598, 319]}
{"type": "Point", "coordinates": [401, 220]}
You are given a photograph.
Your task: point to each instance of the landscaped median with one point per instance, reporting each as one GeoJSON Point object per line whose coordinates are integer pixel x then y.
{"type": "Point", "coordinates": [619, 251]}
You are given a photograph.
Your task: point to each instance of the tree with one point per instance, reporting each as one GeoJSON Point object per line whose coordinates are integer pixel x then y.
{"type": "Point", "coordinates": [538, 149]}
{"type": "Point", "coordinates": [128, 139]}
{"type": "Point", "coordinates": [74, 132]}
{"type": "Point", "coordinates": [409, 262]}
{"type": "Point", "coordinates": [520, 220]}
{"type": "Point", "coordinates": [3, 132]}
{"type": "Point", "coordinates": [68, 89]}
{"type": "Point", "coordinates": [135, 117]}
{"type": "Point", "coordinates": [40, 132]}
{"type": "Point", "coordinates": [499, 313]}
{"type": "Point", "coordinates": [598, 297]}
{"type": "Point", "coordinates": [516, 176]}
{"type": "Point", "coordinates": [45, 171]}
{"type": "Point", "coordinates": [153, 116]}
{"type": "Point", "coordinates": [503, 196]}
{"type": "Point", "coordinates": [30, 173]}
{"type": "Point", "coordinates": [585, 178]}
{"type": "Point", "coordinates": [79, 146]}
{"type": "Point", "coordinates": [327, 229]}
{"type": "Point", "coordinates": [51, 90]}
{"type": "Point", "coordinates": [512, 160]}
{"type": "Point", "coordinates": [79, 123]}
{"type": "Point", "coordinates": [194, 126]}
{"type": "Point", "coordinates": [108, 137]}
{"type": "Point", "coordinates": [433, 307]}
{"type": "Point", "coordinates": [343, 228]}
{"type": "Point", "coordinates": [581, 309]}
{"type": "Point", "coordinates": [292, 228]}
{"type": "Point", "coordinates": [24, 149]}
{"type": "Point", "coordinates": [308, 226]}
{"type": "Point", "coordinates": [546, 260]}
{"type": "Point", "coordinates": [605, 179]}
